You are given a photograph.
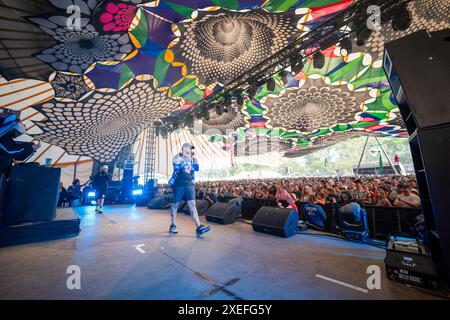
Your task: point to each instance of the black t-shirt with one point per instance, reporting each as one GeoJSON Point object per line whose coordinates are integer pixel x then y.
{"type": "Point", "coordinates": [101, 180]}
{"type": "Point", "coordinates": [184, 177]}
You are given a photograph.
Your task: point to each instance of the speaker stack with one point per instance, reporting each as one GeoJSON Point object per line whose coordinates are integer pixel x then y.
{"type": "Point", "coordinates": [276, 221]}
{"type": "Point", "coordinates": [417, 67]}
{"type": "Point", "coordinates": [223, 213]}
{"type": "Point", "coordinates": [32, 194]}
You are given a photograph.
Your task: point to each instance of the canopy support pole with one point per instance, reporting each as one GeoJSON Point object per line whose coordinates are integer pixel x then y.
{"type": "Point", "coordinates": [385, 154]}
{"type": "Point", "coordinates": [362, 155]}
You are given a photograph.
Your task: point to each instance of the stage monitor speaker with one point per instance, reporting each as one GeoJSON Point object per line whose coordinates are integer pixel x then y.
{"type": "Point", "coordinates": [222, 213]}
{"type": "Point", "coordinates": [276, 221]}
{"type": "Point", "coordinates": [417, 67]}
{"type": "Point", "coordinates": [32, 194]}
{"type": "Point", "coordinates": [202, 207]}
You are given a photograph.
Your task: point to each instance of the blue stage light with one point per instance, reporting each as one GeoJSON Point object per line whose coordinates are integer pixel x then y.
{"type": "Point", "coordinates": [91, 194]}
{"type": "Point", "coordinates": [137, 192]}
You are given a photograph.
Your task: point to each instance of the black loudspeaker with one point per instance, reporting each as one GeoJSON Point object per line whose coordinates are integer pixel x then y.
{"type": "Point", "coordinates": [223, 213]}
{"type": "Point", "coordinates": [276, 221]}
{"type": "Point", "coordinates": [32, 194]}
{"type": "Point", "coordinates": [3, 194]}
{"type": "Point", "coordinates": [202, 207]}
{"type": "Point", "coordinates": [417, 69]}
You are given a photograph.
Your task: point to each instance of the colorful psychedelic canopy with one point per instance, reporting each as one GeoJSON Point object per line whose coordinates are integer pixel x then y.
{"type": "Point", "coordinates": [92, 88]}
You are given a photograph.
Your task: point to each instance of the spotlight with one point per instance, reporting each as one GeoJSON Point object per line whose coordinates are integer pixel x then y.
{"type": "Point", "coordinates": [402, 19]}
{"type": "Point", "coordinates": [271, 84]}
{"type": "Point", "coordinates": [296, 62]}
{"type": "Point", "coordinates": [319, 60]}
{"type": "Point", "coordinates": [346, 46]}
{"type": "Point", "coordinates": [137, 192]}
{"type": "Point", "coordinates": [252, 91]}
{"type": "Point", "coordinates": [284, 76]}
{"type": "Point", "coordinates": [227, 101]}
{"type": "Point", "coordinates": [362, 35]}
{"type": "Point", "coordinates": [91, 194]}
{"type": "Point", "coordinates": [240, 99]}
{"type": "Point", "coordinates": [297, 67]}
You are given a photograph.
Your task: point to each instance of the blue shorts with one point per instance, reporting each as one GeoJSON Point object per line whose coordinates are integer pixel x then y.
{"type": "Point", "coordinates": [183, 193]}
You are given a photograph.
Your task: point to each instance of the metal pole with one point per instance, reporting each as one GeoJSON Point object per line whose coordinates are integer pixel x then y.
{"type": "Point", "coordinates": [362, 155]}
{"type": "Point", "coordinates": [385, 154]}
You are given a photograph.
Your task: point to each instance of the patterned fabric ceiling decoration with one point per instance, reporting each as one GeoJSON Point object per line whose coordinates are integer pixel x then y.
{"type": "Point", "coordinates": [349, 94]}
{"type": "Point", "coordinates": [218, 45]}
{"type": "Point", "coordinates": [70, 87]}
{"type": "Point", "coordinates": [432, 15]}
{"type": "Point", "coordinates": [77, 49]}
{"type": "Point", "coordinates": [104, 123]}
{"type": "Point", "coordinates": [178, 52]}
{"type": "Point", "coordinates": [224, 122]}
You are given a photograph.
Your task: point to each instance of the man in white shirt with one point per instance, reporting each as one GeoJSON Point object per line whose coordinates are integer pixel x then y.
{"type": "Point", "coordinates": [406, 198]}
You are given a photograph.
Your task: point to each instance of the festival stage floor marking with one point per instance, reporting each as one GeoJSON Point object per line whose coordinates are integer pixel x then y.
{"type": "Point", "coordinates": [342, 283]}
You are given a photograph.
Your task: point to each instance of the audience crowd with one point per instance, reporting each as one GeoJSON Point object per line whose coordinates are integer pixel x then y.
{"type": "Point", "coordinates": [379, 191]}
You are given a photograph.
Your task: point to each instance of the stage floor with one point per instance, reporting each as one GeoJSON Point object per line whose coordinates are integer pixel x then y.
{"type": "Point", "coordinates": [127, 253]}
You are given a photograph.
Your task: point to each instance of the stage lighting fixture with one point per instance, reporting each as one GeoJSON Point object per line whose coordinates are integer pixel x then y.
{"type": "Point", "coordinates": [362, 35]}
{"type": "Point", "coordinates": [239, 99]}
{"type": "Point", "coordinates": [138, 192]}
{"type": "Point", "coordinates": [284, 76]}
{"type": "Point", "coordinates": [271, 84]}
{"type": "Point", "coordinates": [297, 67]}
{"type": "Point", "coordinates": [402, 19]}
{"type": "Point", "coordinates": [319, 60]}
{"type": "Point", "coordinates": [91, 194]}
{"type": "Point", "coordinates": [346, 46]}
{"type": "Point", "coordinates": [252, 91]}
{"type": "Point", "coordinates": [227, 101]}
{"type": "Point", "coordinates": [328, 41]}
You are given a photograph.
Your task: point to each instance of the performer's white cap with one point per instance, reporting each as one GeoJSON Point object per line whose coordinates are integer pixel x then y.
{"type": "Point", "coordinates": [187, 145]}
{"type": "Point", "coordinates": [105, 167]}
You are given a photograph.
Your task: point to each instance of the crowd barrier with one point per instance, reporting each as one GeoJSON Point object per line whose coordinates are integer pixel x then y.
{"type": "Point", "coordinates": [381, 220]}
{"type": "Point", "coordinates": [385, 220]}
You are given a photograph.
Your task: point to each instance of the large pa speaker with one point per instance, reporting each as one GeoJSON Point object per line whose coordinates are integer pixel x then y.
{"type": "Point", "coordinates": [276, 221]}
{"type": "Point", "coordinates": [223, 213]}
{"type": "Point", "coordinates": [32, 194]}
{"type": "Point", "coordinates": [417, 67]}
{"type": "Point", "coordinates": [3, 194]}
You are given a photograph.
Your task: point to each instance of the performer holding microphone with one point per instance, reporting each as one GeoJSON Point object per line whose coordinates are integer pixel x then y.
{"type": "Point", "coordinates": [183, 184]}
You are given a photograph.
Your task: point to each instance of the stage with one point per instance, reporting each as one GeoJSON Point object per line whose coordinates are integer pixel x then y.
{"type": "Point", "coordinates": [127, 253]}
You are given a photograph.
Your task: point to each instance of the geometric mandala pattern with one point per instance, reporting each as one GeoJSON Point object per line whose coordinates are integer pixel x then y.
{"type": "Point", "coordinates": [127, 48]}
{"type": "Point", "coordinates": [69, 86]}
{"type": "Point", "coordinates": [314, 106]}
{"type": "Point", "coordinates": [224, 122]}
{"type": "Point", "coordinates": [218, 46]}
{"type": "Point", "coordinates": [102, 125]}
